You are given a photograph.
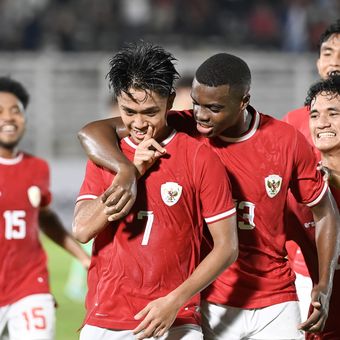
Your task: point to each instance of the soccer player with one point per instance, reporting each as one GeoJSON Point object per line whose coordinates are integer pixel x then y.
{"type": "Point", "coordinates": [323, 101]}
{"type": "Point", "coordinates": [146, 273]}
{"type": "Point", "coordinates": [327, 64]}
{"type": "Point", "coordinates": [27, 308]}
{"type": "Point", "coordinates": [255, 298]}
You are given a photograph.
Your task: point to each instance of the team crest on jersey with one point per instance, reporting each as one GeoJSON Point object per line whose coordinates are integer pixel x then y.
{"type": "Point", "coordinates": [273, 185]}
{"type": "Point", "coordinates": [171, 192]}
{"type": "Point", "coordinates": [34, 196]}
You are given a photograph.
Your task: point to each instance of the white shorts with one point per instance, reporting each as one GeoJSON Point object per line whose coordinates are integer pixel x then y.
{"type": "Point", "coordinates": [185, 332]}
{"type": "Point", "coordinates": [279, 321]}
{"type": "Point", "coordinates": [304, 287]}
{"type": "Point", "coordinates": [30, 318]}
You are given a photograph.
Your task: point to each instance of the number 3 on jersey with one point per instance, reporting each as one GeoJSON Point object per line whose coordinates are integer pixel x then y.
{"type": "Point", "coordinates": [15, 224]}
{"type": "Point", "coordinates": [150, 216]}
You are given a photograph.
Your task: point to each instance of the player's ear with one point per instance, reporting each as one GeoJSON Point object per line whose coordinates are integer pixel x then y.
{"type": "Point", "coordinates": [318, 65]}
{"type": "Point", "coordinates": [171, 99]}
{"type": "Point", "coordinates": [245, 101]}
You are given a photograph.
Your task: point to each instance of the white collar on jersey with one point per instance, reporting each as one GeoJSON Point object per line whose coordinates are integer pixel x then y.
{"type": "Point", "coordinates": [166, 141]}
{"type": "Point", "coordinates": [250, 133]}
{"type": "Point", "coordinates": [12, 161]}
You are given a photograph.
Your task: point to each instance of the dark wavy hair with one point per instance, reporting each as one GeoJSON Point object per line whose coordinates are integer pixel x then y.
{"type": "Point", "coordinates": [333, 28]}
{"type": "Point", "coordinates": [330, 87]}
{"type": "Point", "coordinates": [10, 85]}
{"type": "Point", "coordinates": [143, 66]}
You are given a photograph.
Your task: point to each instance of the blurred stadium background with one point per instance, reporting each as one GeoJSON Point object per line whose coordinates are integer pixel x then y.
{"type": "Point", "coordinates": [60, 50]}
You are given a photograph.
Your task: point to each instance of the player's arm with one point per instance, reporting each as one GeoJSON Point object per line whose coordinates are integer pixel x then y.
{"type": "Point", "coordinates": [327, 234]}
{"type": "Point", "coordinates": [160, 314]}
{"type": "Point", "coordinates": [89, 219]}
{"type": "Point", "coordinates": [100, 142]}
{"type": "Point", "coordinates": [51, 225]}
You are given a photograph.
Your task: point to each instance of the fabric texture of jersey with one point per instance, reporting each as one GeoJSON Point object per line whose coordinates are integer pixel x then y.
{"type": "Point", "coordinates": [24, 188]}
{"type": "Point", "coordinates": [157, 245]}
{"type": "Point", "coordinates": [299, 118]}
{"type": "Point", "coordinates": [263, 164]}
{"type": "Point", "coordinates": [301, 229]}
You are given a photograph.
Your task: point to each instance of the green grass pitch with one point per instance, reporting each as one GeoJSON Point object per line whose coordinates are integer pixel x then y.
{"type": "Point", "coordinates": [70, 313]}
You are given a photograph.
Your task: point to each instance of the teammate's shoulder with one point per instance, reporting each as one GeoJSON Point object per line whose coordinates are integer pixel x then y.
{"type": "Point", "coordinates": [180, 113]}
{"type": "Point", "coordinates": [295, 116]}
{"type": "Point", "coordinates": [274, 123]}
{"type": "Point", "coordinates": [28, 157]}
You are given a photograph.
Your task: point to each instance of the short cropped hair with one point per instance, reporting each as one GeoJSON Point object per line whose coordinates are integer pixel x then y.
{"type": "Point", "coordinates": [12, 86]}
{"type": "Point", "coordinates": [224, 69]}
{"type": "Point", "coordinates": [330, 87]}
{"type": "Point", "coordinates": [333, 28]}
{"type": "Point", "coordinates": [143, 66]}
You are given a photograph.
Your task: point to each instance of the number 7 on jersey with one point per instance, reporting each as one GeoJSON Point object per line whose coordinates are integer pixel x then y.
{"type": "Point", "coordinates": [150, 217]}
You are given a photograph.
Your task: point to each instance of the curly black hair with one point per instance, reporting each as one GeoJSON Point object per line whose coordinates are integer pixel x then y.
{"type": "Point", "coordinates": [12, 86]}
{"type": "Point", "coordinates": [330, 87]}
{"type": "Point", "coordinates": [143, 66]}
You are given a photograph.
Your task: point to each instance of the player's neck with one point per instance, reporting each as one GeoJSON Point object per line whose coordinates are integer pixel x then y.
{"type": "Point", "coordinates": [331, 159]}
{"type": "Point", "coordinates": [247, 119]}
{"type": "Point", "coordinates": [8, 153]}
{"type": "Point", "coordinates": [165, 133]}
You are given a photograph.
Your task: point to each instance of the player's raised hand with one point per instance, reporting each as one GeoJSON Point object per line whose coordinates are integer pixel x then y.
{"type": "Point", "coordinates": [158, 316]}
{"type": "Point", "coordinates": [317, 319]}
{"type": "Point", "coordinates": [121, 195]}
{"type": "Point", "coordinates": [147, 152]}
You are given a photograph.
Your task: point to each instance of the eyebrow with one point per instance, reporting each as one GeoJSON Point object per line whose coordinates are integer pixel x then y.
{"type": "Point", "coordinates": [327, 48]}
{"type": "Point", "coordinates": [151, 108]}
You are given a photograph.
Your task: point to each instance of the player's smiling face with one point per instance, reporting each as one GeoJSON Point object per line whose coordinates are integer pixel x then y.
{"type": "Point", "coordinates": [324, 122]}
{"type": "Point", "coordinates": [12, 120]}
{"type": "Point", "coordinates": [217, 110]}
{"type": "Point", "coordinates": [141, 109]}
{"type": "Point", "coordinates": [329, 60]}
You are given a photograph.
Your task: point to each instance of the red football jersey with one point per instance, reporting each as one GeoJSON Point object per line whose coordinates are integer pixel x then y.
{"type": "Point", "coordinates": [263, 164]}
{"type": "Point", "coordinates": [301, 229]}
{"type": "Point", "coordinates": [299, 118]}
{"type": "Point", "coordinates": [24, 188]}
{"type": "Point", "coordinates": [157, 245]}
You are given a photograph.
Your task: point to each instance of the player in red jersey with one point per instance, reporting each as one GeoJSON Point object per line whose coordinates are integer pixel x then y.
{"type": "Point", "coordinates": [26, 306]}
{"type": "Point", "coordinates": [327, 64]}
{"type": "Point", "coordinates": [255, 298]}
{"type": "Point", "coordinates": [147, 265]}
{"type": "Point", "coordinates": [323, 102]}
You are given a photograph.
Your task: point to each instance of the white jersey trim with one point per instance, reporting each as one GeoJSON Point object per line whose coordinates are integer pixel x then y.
{"type": "Point", "coordinates": [163, 143]}
{"type": "Point", "coordinates": [220, 216]}
{"type": "Point", "coordinates": [248, 135]}
{"type": "Point", "coordinates": [319, 198]}
{"type": "Point", "coordinates": [86, 197]}
{"type": "Point", "coordinates": [12, 161]}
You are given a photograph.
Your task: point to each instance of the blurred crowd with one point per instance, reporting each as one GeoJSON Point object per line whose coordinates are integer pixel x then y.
{"type": "Point", "coordinates": [99, 25]}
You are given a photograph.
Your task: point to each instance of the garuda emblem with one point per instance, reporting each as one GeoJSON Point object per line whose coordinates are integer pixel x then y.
{"type": "Point", "coordinates": [171, 192]}
{"type": "Point", "coordinates": [273, 185]}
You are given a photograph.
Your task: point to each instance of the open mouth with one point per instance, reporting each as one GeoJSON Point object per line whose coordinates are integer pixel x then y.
{"type": "Point", "coordinates": [327, 134]}
{"type": "Point", "coordinates": [138, 133]}
{"type": "Point", "coordinates": [8, 128]}
{"type": "Point", "coordinates": [334, 73]}
{"type": "Point", "coordinates": [203, 128]}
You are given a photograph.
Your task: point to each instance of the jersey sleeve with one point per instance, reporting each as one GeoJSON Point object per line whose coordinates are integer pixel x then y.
{"type": "Point", "coordinates": [93, 183]}
{"type": "Point", "coordinates": [307, 184]}
{"type": "Point", "coordinates": [214, 186]}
